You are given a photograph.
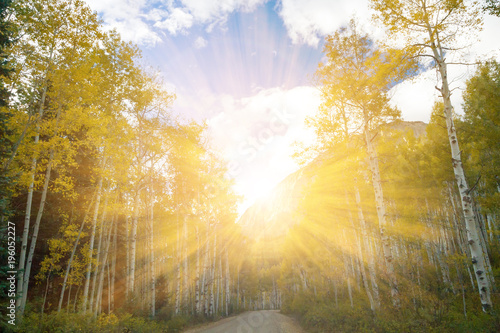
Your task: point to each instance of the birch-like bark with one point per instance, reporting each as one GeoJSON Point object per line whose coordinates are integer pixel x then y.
{"type": "Point", "coordinates": [370, 258]}
{"type": "Point", "coordinates": [219, 278]}
{"type": "Point", "coordinates": [91, 246]}
{"type": "Point", "coordinates": [27, 216]}
{"type": "Point", "coordinates": [34, 237]}
{"type": "Point", "coordinates": [104, 262]}
{"type": "Point", "coordinates": [228, 296]}
{"type": "Point", "coordinates": [133, 244]}
{"type": "Point", "coordinates": [152, 255]}
{"type": "Point", "coordinates": [185, 288]}
{"type": "Point", "coordinates": [213, 275]}
{"type": "Point", "coordinates": [70, 260]}
{"type": "Point", "coordinates": [113, 269]}
{"type": "Point", "coordinates": [178, 280]}
{"type": "Point", "coordinates": [197, 282]}
{"type": "Point", "coordinates": [99, 252]}
{"type": "Point", "coordinates": [238, 292]}
{"type": "Point", "coordinates": [471, 224]}
{"type": "Point", "coordinates": [127, 249]}
{"type": "Point", "coordinates": [69, 298]}
{"type": "Point", "coordinates": [381, 212]}
{"type": "Point", "coordinates": [206, 271]}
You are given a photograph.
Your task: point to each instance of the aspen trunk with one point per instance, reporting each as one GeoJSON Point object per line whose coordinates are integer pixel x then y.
{"type": "Point", "coordinates": [219, 278]}
{"type": "Point", "coordinates": [133, 245]}
{"type": "Point", "coordinates": [103, 267]}
{"type": "Point", "coordinates": [369, 253]}
{"type": "Point", "coordinates": [238, 292]}
{"type": "Point", "coordinates": [185, 272]}
{"type": "Point", "coordinates": [69, 298]}
{"type": "Point", "coordinates": [127, 249]}
{"type": "Point", "coordinates": [152, 257]}
{"type": "Point", "coordinates": [178, 281]}
{"type": "Point", "coordinates": [91, 247]}
{"type": "Point", "coordinates": [34, 237]}
{"type": "Point", "coordinates": [70, 260]}
{"type": "Point", "coordinates": [99, 254]}
{"type": "Point", "coordinates": [381, 212]}
{"type": "Point", "coordinates": [471, 224]}
{"type": "Point", "coordinates": [197, 282]}
{"type": "Point", "coordinates": [206, 271]}
{"type": "Point", "coordinates": [212, 312]}
{"type": "Point", "coordinates": [113, 269]}
{"type": "Point", "coordinates": [228, 296]}
{"type": "Point", "coordinates": [27, 217]}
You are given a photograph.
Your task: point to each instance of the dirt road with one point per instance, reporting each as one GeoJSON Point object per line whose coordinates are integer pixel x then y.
{"type": "Point", "coordinates": [267, 321]}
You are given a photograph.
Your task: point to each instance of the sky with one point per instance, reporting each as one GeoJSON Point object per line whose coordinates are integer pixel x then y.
{"type": "Point", "coordinates": [246, 68]}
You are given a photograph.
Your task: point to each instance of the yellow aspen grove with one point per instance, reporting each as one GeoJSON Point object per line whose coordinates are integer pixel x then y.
{"type": "Point", "coordinates": [432, 29]}
{"type": "Point", "coordinates": [356, 77]}
{"type": "Point", "coordinates": [248, 166]}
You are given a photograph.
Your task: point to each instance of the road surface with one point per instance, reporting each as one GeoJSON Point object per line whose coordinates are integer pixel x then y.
{"type": "Point", "coordinates": [266, 321]}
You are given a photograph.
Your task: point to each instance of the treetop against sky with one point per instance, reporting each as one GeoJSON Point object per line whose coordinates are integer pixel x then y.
{"type": "Point", "coordinates": [242, 64]}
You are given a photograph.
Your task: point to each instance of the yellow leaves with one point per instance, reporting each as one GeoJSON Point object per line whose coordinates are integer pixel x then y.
{"type": "Point", "coordinates": [417, 22]}
{"type": "Point", "coordinates": [58, 248]}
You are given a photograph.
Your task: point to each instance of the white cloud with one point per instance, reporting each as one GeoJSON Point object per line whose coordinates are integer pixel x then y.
{"type": "Point", "coordinates": [200, 43]}
{"type": "Point", "coordinates": [308, 21]}
{"type": "Point", "coordinates": [126, 16]}
{"type": "Point", "coordinates": [217, 10]}
{"type": "Point", "coordinates": [139, 20]}
{"type": "Point", "coordinates": [178, 20]}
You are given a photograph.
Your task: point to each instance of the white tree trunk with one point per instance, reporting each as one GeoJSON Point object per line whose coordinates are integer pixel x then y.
{"type": "Point", "coordinates": [178, 280]}
{"type": "Point", "coordinates": [133, 245]}
{"type": "Point", "coordinates": [370, 259]}
{"type": "Point", "coordinates": [91, 246]}
{"type": "Point", "coordinates": [185, 289]}
{"type": "Point", "coordinates": [206, 271]}
{"type": "Point", "coordinates": [103, 267]}
{"type": "Point", "coordinates": [152, 256]}
{"type": "Point", "coordinates": [381, 212]}
{"type": "Point", "coordinates": [34, 237]}
{"type": "Point", "coordinates": [70, 260]}
{"type": "Point", "coordinates": [197, 282]}
{"type": "Point", "coordinates": [228, 295]}
{"type": "Point", "coordinates": [471, 224]}
{"type": "Point", "coordinates": [212, 312]}
{"type": "Point", "coordinates": [113, 269]}
{"type": "Point", "coordinates": [27, 217]}
{"type": "Point", "coordinates": [99, 253]}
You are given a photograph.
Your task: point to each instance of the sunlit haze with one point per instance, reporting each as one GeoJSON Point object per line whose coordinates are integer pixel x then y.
{"type": "Point", "coordinates": [246, 67]}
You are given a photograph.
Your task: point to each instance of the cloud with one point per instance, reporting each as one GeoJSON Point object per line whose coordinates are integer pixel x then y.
{"type": "Point", "coordinates": [141, 21]}
{"type": "Point", "coordinates": [178, 20]}
{"type": "Point", "coordinates": [209, 11]}
{"type": "Point", "coordinates": [308, 21]}
{"type": "Point", "coordinates": [129, 18]}
{"type": "Point", "coordinates": [200, 43]}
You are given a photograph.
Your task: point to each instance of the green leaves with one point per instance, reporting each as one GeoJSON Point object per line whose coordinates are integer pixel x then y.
{"type": "Point", "coordinates": [481, 128]}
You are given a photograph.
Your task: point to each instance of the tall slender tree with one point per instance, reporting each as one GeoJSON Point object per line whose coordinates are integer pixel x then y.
{"type": "Point", "coordinates": [431, 29]}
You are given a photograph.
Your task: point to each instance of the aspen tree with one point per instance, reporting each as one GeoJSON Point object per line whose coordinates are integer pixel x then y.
{"type": "Point", "coordinates": [359, 73]}
{"type": "Point", "coordinates": [432, 29]}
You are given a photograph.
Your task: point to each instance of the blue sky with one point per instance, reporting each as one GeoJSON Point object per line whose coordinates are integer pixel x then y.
{"type": "Point", "coordinates": [246, 67]}
{"type": "Point", "coordinates": [250, 52]}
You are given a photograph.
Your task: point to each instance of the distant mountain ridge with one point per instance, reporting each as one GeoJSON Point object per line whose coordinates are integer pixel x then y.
{"type": "Point", "coordinates": [272, 216]}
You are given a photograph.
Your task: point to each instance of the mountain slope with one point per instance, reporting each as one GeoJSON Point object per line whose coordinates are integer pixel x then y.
{"type": "Point", "coordinates": [272, 216]}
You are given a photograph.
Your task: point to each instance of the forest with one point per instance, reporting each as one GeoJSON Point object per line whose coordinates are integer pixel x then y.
{"type": "Point", "coordinates": [119, 216]}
